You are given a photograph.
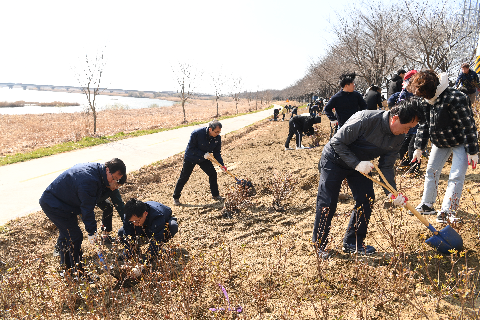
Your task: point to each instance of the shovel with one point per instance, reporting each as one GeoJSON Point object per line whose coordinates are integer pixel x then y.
{"type": "Point", "coordinates": [444, 240]}
{"type": "Point", "coordinates": [243, 183]}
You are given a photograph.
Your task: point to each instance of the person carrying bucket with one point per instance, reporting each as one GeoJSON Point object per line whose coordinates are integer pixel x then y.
{"type": "Point", "coordinates": [368, 134]}
{"type": "Point", "coordinates": [451, 128]}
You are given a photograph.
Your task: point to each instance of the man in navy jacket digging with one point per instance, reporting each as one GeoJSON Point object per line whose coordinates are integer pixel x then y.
{"type": "Point", "coordinates": [202, 141]}
{"type": "Point", "coordinates": [76, 192]}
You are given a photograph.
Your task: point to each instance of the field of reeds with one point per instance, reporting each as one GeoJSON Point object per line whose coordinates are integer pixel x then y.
{"type": "Point", "coordinates": [257, 261]}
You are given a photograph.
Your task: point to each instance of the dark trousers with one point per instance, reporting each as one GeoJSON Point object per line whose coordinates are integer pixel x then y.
{"type": "Point", "coordinates": [407, 149]}
{"type": "Point", "coordinates": [107, 209]}
{"type": "Point", "coordinates": [292, 131]}
{"type": "Point", "coordinates": [187, 170]}
{"type": "Point", "coordinates": [70, 236]}
{"type": "Point", "coordinates": [331, 177]}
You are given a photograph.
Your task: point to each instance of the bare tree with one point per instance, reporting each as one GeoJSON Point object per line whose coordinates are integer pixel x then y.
{"type": "Point", "coordinates": [236, 91]}
{"type": "Point", "coordinates": [90, 83]}
{"type": "Point", "coordinates": [436, 36]}
{"type": "Point", "coordinates": [218, 83]}
{"type": "Point", "coordinates": [185, 79]}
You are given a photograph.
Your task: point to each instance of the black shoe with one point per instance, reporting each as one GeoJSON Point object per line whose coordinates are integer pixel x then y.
{"type": "Point", "coordinates": [362, 249]}
{"type": "Point", "coordinates": [107, 240]}
{"type": "Point", "coordinates": [218, 198]}
{"type": "Point", "coordinates": [424, 209]}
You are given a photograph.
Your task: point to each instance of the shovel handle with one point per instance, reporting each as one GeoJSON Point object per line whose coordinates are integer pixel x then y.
{"type": "Point", "coordinates": [211, 158]}
{"type": "Point", "coordinates": [387, 186]}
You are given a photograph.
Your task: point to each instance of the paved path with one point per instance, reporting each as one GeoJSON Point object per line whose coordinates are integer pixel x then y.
{"type": "Point", "coordinates": [22, 184]}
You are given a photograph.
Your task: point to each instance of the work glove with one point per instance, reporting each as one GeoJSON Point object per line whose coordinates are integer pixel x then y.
{"type": "Point", "coordinates": [224, 168]}
{"type": "Point", "coordinates": [399, 200]}
{"type": "Point", "coordinates": [473, 160]}
{"type": "Point", "coordinates": [206, 155]}
{"type": "Point", "coordinates": [364, 167]}
{"type": "Point", "coordinates": [137, 270]}
{"type": "Point", "coordinates": [333, 122]}
{"type": "Point", "coordinates": [93, 238]}
{"type": "Point", "coordinates": [417, 156]}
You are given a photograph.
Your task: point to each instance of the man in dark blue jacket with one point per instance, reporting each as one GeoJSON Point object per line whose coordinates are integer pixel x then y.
{"type": "Point", "coordinates": [365, 136]}
{"type": "Point", "coordinates": [469, 80]}
{"type": "Point", "coordinates": [150, 219]}
{"type": "Point", "coordinates": [202, 141]}
{"type": "Point", "coordinates": [345, 102]}
{"type": "Point", "coordinates": [76, 191]}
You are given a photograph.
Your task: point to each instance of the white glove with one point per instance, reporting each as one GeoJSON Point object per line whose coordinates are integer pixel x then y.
{"type": "Point", "coordinates": [206, 155]}
{"type": "Point", "coordinates": [417, 155]}
{"type": "Point", "coordinates": [333, 122]}
{"type": "Point", "coordinates": [93, 238]}
{"type": "Point", "coordinates": [473, 160]}
{"type": "Point", "coordinates": [364, 167]}
{"type": "Point", "coordinates": [399, 200]}
{"type": "Point", "coordinates": [137, 270]}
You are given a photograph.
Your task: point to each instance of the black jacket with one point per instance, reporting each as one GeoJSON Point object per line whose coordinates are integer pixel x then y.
{"type": "Point", "coordinates": [303, 124]}
{"type": "Point", "coordinates": [395, 85]}
{"type": "Point", "coordinates": [345, 105]}
{"type": "Point", "coordinates": [373, 99]}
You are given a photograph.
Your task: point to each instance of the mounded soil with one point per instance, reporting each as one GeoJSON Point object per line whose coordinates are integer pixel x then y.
{"type": "Point", "coordinates": [264, 256]}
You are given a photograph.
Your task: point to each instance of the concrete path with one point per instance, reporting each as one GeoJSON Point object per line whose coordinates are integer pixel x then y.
{"type": "Point", "coordinates": [22, 184]}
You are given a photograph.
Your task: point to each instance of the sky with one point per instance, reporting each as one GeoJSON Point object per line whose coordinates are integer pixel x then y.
{"type": "Point", "coordinates": [261, 43]}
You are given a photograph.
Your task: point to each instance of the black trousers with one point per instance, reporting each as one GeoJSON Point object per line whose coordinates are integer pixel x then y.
{"type": "Point", "coordinates": [187, 170]}
{"type": "Point", "coordinates": [298, 136]}
{"type": "Point", "coordinates": [331, 177]}
{"type": "Point", "coordinates": [408, 145]}
{"type": "Point", "coordinates": [70, 236]}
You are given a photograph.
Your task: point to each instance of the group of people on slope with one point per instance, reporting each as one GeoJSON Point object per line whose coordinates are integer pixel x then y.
{"type": "Point", "coordinates": [79, 189]}
{"type": "Point", "coordinates": [443, 116]}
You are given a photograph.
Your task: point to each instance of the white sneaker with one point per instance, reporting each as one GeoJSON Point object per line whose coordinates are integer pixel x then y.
{"type": "Point", "coordinates": [447, 217]}
{"type": "Point", "coordinates": [286, 149]}
{"type": "Point", "coordinates": [301, 147]}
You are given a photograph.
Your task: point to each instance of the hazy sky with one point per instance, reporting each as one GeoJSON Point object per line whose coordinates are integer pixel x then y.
{"type": "Point", "coordinates": [268, 44]}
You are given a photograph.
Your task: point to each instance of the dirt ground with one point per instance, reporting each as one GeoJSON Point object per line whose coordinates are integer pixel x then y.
{"type": "Point", "coordinates": [272, 269]}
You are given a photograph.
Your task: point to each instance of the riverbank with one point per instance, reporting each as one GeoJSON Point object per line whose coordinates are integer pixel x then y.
{"type": "Point", "coordinates": [25, 133]}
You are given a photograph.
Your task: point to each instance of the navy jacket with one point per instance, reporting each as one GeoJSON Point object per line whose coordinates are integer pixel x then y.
{"type": "Point", "coordinates": [469, 81]}
{"type": "Point", "coordinates": [345, 105]}
{"type": "Point", "coordinates": [200, 143]}
{"type": "Point", "coordinates": [76, 191]}
{"type": "Point", "coordinates": [364, 137]}
{"type": "Point", "coordinates": [154, 227]}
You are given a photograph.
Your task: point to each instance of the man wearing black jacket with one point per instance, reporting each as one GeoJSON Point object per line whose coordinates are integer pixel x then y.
{"type": "Point", "coordinates": [373, 98]}
{"type": "Point", "coordinates": [299, 125]}
{"type": "Point", "coordinates": [396, 82]}
{"type": "Point", "coordinates": [345, 102]}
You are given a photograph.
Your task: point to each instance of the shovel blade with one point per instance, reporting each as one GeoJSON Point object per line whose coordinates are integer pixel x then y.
{"type": "Point", "coordinates": [447, 239]}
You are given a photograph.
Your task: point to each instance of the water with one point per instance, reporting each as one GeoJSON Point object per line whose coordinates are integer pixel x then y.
{"type": "Point", "coordinates": [102, 102]}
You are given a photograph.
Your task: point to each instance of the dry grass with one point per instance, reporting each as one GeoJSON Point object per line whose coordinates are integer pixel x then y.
{"type": "Point", "coordinates": [23, 133]}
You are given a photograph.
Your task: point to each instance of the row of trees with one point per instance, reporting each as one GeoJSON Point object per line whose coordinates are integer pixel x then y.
{"type": "Point", "coordinates": [375, 39]}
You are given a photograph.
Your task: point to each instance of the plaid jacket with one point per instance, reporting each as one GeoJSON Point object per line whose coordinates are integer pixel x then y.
{"type": "Point", "coordinates": [449, 123]}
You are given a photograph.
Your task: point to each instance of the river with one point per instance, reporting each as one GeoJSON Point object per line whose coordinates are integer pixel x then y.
{"type": "Point", "coordinates": [102, 101]}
